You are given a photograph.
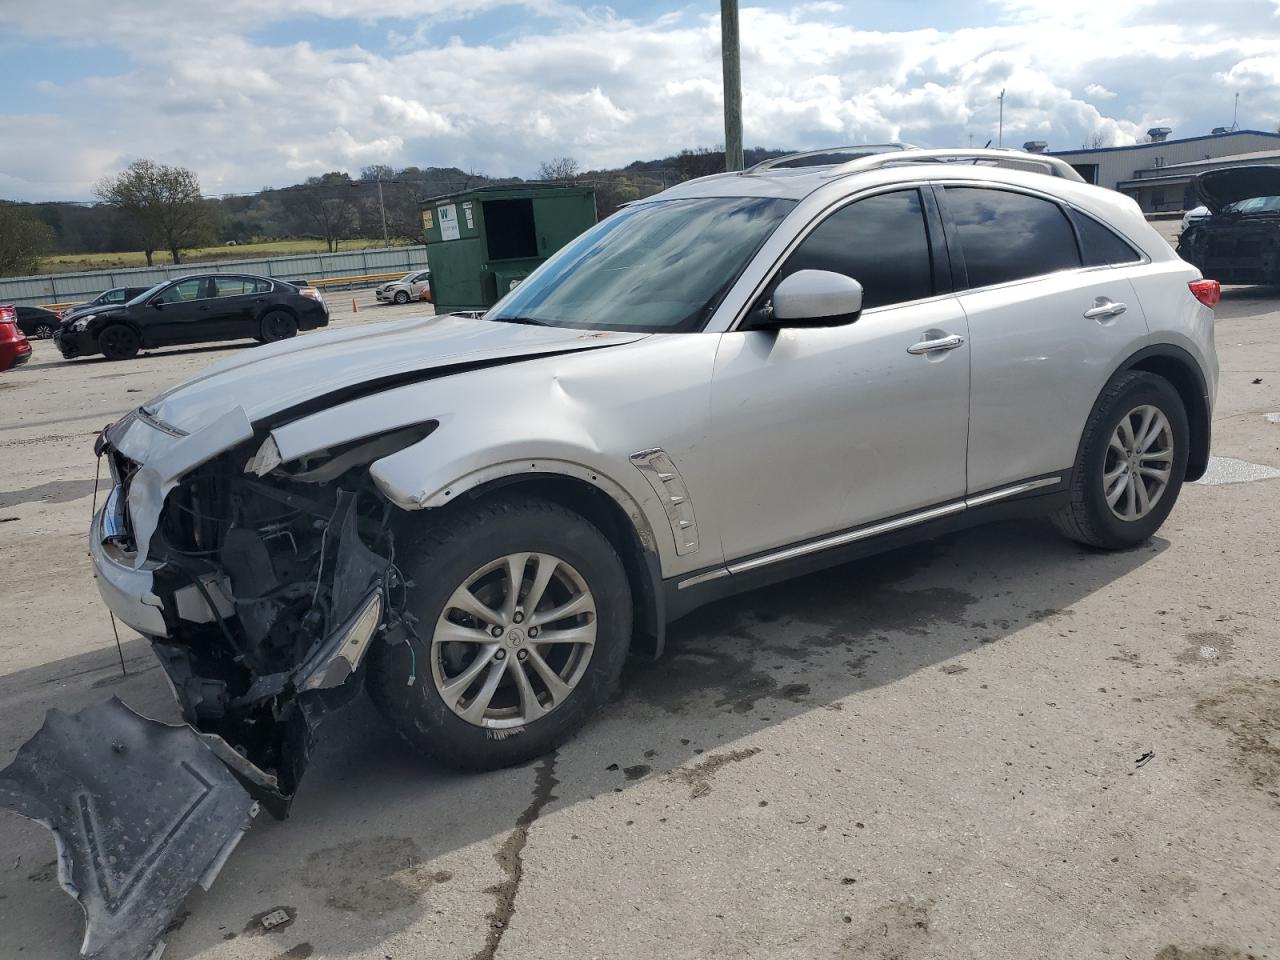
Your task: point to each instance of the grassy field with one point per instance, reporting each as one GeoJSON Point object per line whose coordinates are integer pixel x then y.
{"type": "Point", "coordinates": [73, 262]}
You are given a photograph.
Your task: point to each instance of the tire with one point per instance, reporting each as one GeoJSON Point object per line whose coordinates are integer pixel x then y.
{"type": "Point", "coordinates": [44, 331]}
{"type": "Point", "coordinates": [401, 297]}
{"type": "Point", "coordinates": [278, 325]}
{"type": "Point", "coordinates": [405, 679]}
{"type": "Point", "coordinates": [118, 342]}
{"type": "Point", "coordinates": [1089, 518]}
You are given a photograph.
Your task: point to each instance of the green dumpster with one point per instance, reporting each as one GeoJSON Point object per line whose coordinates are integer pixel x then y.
{"type": "Point", "coordinates": [481, 243]}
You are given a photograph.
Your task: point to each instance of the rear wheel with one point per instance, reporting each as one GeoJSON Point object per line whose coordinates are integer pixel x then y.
{"type": "Point", "coordinates": [44, 331]}
{"type": "Point", "coordinates": [524, 618]}
{"type": "Point", "coordinates": [1131, 463]}
{"type": "Point", "coordinates": [278, 325]}
{"type": "Point", "coordinates": [119, 342]}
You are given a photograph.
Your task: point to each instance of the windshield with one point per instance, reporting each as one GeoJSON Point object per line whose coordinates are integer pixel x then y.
{"type": "Point", "coordinates": [1254, 205]}
{"type": "Point", "coordinates": [149, 291]}
{"type": "Point", "coordinates": [661, 267]}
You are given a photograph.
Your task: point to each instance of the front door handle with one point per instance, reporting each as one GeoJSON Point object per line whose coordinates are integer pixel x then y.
{"type": "Point", "coordinates": [942, 343]}
{"type": "Point", "coordinates": [1104, 309]}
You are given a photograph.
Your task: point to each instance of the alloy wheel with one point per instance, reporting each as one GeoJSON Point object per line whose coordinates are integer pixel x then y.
{"type": "Point", "coordinates": [1139, 462]}
{"type": "Point", "coordinates": [513, 640]}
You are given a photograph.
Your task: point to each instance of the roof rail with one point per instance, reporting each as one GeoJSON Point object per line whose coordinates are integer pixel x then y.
{"type": "Point", "coordinates": [1008, 159]}
{"type": "Point", "coordinates": [828, 156]}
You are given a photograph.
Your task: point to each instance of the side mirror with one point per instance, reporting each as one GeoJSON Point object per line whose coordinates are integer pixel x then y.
{"type": "Point", "coordinates": [817, 297]}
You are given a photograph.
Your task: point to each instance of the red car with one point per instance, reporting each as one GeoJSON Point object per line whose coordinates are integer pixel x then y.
{"type": "Point", "coordinates": [15, 349]}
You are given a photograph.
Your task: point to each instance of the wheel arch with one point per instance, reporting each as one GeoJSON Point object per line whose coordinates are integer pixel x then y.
{"type": "Point", "coordinates": [601, 502]}
{"type": "Point", "coordinates": [1181, 370]}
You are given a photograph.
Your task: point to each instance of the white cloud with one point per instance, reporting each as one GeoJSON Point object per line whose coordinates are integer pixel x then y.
{"type": "Point", "coordinates": [244, 112]}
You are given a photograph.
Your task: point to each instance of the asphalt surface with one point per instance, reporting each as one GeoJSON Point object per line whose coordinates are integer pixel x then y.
{"type": "Point", "coordinates": [1000, 745]}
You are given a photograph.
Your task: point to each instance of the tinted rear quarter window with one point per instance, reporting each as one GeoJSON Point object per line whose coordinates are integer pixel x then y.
{"type": "Point", "coordinates": [881, 242]}
{"type": "Point", "coordinates": [1009, 236]}
{"type": "Point", "coordinates": [1101, 246]}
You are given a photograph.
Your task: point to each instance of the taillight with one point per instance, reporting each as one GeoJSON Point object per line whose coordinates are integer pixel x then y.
{"type": "Point", "coordinates": [311, 292]}
{"type": "Point", "coordinates": [1208, 292]}
{"type": "Point", "coordinates": [8, 313]}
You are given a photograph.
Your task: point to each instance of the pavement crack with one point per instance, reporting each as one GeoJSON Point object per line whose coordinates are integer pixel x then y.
{"type": "Point", "coordinates": [510, 857]}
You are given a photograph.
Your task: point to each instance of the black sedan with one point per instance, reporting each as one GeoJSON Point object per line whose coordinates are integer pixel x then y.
{"type": "Point", "coordinates": [198, 309]}
{"type": "Point", "coordinates": [37, 322]}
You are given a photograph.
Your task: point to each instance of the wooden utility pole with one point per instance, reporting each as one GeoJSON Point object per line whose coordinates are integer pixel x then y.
{"type": "Point", "coordinates": [732, 85]}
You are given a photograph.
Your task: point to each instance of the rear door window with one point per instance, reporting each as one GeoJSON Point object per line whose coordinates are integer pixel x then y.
{"type": "Point", "coordinates": [882, 242]}
{"type": "Point", "coordinates": [1008, 236]}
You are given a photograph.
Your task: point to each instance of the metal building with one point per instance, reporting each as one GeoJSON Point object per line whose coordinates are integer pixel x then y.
{"type": "Point", "coordinates": [483, 242]}
{"type": "Point", "coordinates": [1122, 168]}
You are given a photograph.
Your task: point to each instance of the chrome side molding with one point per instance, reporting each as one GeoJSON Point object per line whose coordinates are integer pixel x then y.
{"type": "Point", "coordinates": [865, 533]}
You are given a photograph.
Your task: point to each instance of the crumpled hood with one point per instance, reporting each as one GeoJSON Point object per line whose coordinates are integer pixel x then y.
{"type": "Point", "coordinates": [266, 380]}
{"type": "Point", "coordinates": [1217, 188]}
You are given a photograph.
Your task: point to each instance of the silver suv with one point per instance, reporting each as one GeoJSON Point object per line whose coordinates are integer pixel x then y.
{"type": "Point", "coordinates": [738, 380]}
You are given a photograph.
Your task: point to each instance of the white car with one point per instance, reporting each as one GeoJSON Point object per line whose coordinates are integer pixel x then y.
{"type": "Point", "coordinates": [1194, 216]}
{"type": "Point", "coordinates": [412, 286]}
{"type": "Point", "coordinates": [741, 379]}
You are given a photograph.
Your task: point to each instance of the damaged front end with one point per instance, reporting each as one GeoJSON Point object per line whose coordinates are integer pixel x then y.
{"type": "Point", "coordinates": [272, 589]}
{"type": "Point", "coordinates": [261, 586]}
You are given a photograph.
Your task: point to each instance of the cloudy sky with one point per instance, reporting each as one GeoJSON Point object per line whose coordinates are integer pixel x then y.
{"type": "Point", "coordinates": [254, 93]}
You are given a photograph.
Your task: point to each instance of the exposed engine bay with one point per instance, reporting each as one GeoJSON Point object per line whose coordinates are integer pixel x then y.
{"type": "Point", "coordinates": [296, 574]}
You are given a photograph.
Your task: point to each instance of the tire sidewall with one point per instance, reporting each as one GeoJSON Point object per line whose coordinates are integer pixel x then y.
{"type": "Point", "coordinates": [401, 297]}
{"type": "Point", "coordinates": [273, 315]}
{"type": "Point", "coordinates": [1160, 394]}
{"type": "Point", "coordinates": [419, 712]}
{"type": "Point", "coordinates": [115, 354]}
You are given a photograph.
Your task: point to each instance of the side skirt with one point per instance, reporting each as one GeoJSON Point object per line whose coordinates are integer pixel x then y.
{"type": "Point", "coordinates": [1035, 497]}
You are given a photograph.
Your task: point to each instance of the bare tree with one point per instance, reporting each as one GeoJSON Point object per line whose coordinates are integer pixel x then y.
{"type": "Point", "coordinates": [1095, 140]}
{"type": "Point", "coordinates": [324, 205]}
{"type": "Point", "coordinates": [561, 168]}
{"type": "Point", "coordinates": [23, 238]}
{"type": "Point", "coordinates": [164, 204]}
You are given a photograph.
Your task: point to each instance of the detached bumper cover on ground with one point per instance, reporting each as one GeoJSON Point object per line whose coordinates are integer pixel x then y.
{"type": "Point", "coordinates": [140, 811]}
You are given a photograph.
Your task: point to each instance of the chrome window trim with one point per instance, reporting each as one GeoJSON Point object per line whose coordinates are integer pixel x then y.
{"type": "Point", "coordinates": [869, 531]}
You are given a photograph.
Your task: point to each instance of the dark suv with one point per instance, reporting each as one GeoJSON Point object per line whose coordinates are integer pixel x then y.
{"type": "Point", "coordinates": [197, 309]}
{"type": "Point", "coordinates": [107, 298]}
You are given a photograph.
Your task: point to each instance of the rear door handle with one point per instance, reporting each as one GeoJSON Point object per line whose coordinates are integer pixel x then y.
{"type": "Point", "coordinates": [942, 343]}
{"type": "Point", "coordinates": [1103, 309]}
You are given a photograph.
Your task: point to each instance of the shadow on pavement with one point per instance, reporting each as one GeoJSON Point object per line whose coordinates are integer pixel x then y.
{"type": "Point", "coordinates": [371, 818]}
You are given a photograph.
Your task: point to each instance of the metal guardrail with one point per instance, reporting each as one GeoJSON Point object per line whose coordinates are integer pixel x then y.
{"type": "Point", "coordinates": [62, 289]}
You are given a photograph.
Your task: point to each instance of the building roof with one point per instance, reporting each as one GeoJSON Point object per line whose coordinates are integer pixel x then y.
{"type": "Point", "coordinates": [1230, 159]}
{"type": "Point", "coordinates": [1164, 143]}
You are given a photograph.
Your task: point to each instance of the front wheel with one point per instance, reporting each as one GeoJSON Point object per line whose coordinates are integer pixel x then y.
{"type": "Point", "coordinates": [523, 619]}
{"type": "Point", "coordinates": [1132, 459]}
{"type": "Point", "coordinates": [119, 342]}
{"type": "Point", "coordinates": [401, 297]}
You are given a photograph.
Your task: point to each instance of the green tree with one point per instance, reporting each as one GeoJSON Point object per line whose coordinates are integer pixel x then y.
{"type": "Point", "coordinates": [23, 238]}
{"type": "Point", "coordinates": [164, 204]}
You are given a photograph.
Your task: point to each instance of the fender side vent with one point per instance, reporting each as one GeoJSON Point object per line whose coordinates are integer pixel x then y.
{"type": "Point", "coordinates": [659, 469]}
